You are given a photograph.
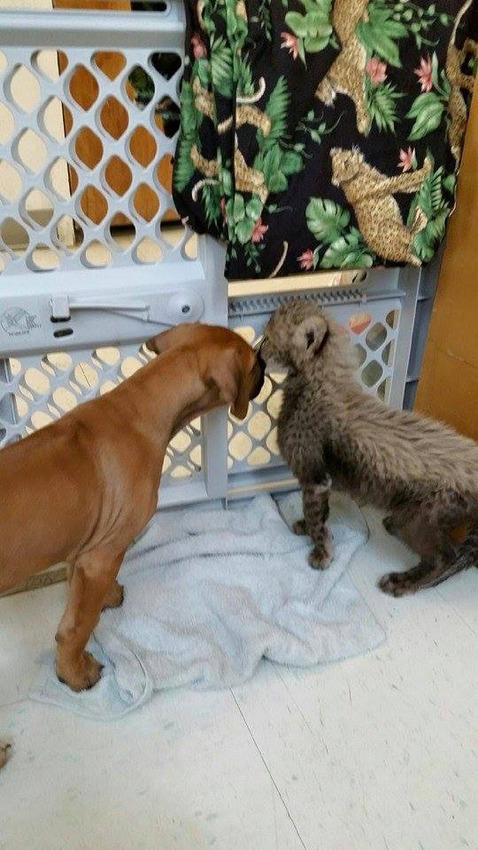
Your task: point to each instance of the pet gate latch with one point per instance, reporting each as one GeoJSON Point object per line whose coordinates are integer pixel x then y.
{"type": "Point", "coordinates": [166, 309]}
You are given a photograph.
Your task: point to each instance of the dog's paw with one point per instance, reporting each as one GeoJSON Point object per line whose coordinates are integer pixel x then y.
{"type": "Point", "coordinates": [299, 527]}
{"type": "Point", "coordinates": [115, 596]}
{"type": "Point", "coordinates": [395, 584]}
{"type": "Point", "coordinates": [322, 554]}
{"type": "Point", "coordinates": [5, 749]}
{"type": "Point", "coordinates": [82, 677]}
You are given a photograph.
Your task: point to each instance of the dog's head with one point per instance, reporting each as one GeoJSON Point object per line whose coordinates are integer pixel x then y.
{"type": "Point", "coordinates": [298, 334]}
{"type": "Point", "coordinates": [230, 370]}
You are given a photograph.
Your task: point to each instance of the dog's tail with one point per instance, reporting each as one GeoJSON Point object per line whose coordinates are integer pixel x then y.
{"type": "Point", "coordinates": [465, 556]}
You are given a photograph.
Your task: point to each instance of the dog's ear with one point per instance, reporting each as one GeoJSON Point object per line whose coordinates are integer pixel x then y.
{"type": "Point", "coordinates": [158, 343]}
{"type": "Point", "coordinates": [308, 338]}
{"type": "Point", "coordinates": [231, 373]}
{"type": "Point", "coordinates": [168, 339]}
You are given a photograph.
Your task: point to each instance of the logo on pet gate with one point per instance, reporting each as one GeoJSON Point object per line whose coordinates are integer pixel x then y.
{"type": "Point", "coordinates": [18, 322]}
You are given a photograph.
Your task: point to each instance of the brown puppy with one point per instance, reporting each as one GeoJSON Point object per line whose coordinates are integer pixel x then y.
{"type": "Point", "coordinates": [331, 431]}
{"type": "Point", "coordinates": [81, 489]}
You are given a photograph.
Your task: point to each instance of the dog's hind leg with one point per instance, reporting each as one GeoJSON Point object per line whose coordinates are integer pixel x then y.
{"type": "Point", "coordinates": [91, 580]}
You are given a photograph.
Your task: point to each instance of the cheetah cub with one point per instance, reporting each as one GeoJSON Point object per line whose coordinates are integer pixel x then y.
{"type": "Point", "coordinates": [423, 474]}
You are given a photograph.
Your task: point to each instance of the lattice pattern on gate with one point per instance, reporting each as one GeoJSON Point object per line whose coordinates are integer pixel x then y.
{"type": "Point", "coordinates": [35, 390]}
{"type": "Point", "coordinates": [86, 144]}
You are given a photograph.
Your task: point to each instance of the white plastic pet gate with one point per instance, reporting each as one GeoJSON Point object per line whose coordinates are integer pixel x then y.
{"type": "Point", "coordinates": [79, 295]}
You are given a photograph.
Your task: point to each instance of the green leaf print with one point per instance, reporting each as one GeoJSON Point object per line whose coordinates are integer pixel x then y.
{"type": "Point", "coordinates": [277, 182]}
{"type": "Point", "coordinates": [313, 29]}
{"type": "Point", "coordinates": [242, 217]}
{"type": "Point", "coordinates": [191, 120]}
{"type": "Point", "coordinates": [236, 26]}
{"type": "Point", "coordinates": [326, 220]}
{"type": "Point", "coordinates": [291, 163]}
{"type": "Point", "coordinates": [430, 199]}
{"type": "Point", "coordinates": [263, 18]}
{"type": "Point", "coordinates": [184, 169]}
{"type": "Point", "coordinates": [348, 252]}
{"type": "Point", "coordinates": [202, 69]}
{"type": "Point", "coordinates": [211, 201]}
{"type": "Point", "coordinates": [330, 224]}
{"type": "Point", "coordinates": [297, 23]}
{"type": "Point", "coordinates": [276, 109]}
{"type": "Point", "coordinates": [254, 208]}
{"type": "Point", "coordinates": [379, 33]}
{"type": "Point", "coordinates": [382, 104]}
{"type": "Point", "coordinates": [449, 183]}
{"type": "Point", "coordinates": [221, 66]}
{"type": "Point", "coordinates": [245, 83]}
{"type": "Point", "coordinates": [252, 254]}
{"type": "Point", "coordinates": [244, 230]}
{"type": "Point", "coordinates": [270, 163]}
{"type": "Point", "coordinates": [427, 110]}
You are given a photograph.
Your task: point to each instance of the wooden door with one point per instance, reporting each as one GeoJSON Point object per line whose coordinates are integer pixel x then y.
{"type": "Point", "coordinates": [448, 388]}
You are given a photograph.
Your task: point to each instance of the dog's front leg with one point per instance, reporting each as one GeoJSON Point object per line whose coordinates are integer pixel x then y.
{"type": "Point", "coordinates": [114, 595]}
{"type": "Point", "coordinates": [316, 513]}
{"type": "Point", "coordinates": [91, 579]}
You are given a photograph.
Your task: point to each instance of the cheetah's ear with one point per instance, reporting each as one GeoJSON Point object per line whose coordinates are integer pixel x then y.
{"type": "Point", "coordinates": [308, 339]}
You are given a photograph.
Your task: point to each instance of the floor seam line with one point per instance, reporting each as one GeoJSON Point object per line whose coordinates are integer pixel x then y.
{"type": "Point", "coordinates": [269, 772]}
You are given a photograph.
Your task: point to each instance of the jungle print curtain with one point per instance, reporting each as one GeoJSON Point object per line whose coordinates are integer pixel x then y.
{"type": "Point", "coordinates": [323, 134]}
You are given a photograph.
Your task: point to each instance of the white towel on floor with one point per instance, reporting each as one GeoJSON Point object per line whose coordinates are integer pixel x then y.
{"type": "Point", "coordinates": [209, 592]}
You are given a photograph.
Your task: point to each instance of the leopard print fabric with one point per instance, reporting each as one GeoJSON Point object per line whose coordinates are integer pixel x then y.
{"type": "Point", "coordinates": [281, 99]}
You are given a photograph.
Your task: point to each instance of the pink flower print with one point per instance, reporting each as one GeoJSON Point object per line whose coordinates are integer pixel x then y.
{"type": "Point", "coordinates": [376, 70]}
{"type": "Point", "coordinates": [259, 231]}
{"type": "Point", "coordinates": [306, 260]}
{"type": "Point", "coordinates": [424, 74]}
{"type": "Point", "coordinates": [223, 208]}
{"type": "Point", "coordinates": [407, 159]}
{"type": "Point", "coordinates": [199, 48]}
{"type": "Point", "coordinates": [291, 43]}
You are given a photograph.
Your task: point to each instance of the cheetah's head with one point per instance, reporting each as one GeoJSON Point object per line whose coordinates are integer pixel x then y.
{"type": "Point", "coordinates": [298, 334]}
{"type": "Point", "coordinates": [346, 164]}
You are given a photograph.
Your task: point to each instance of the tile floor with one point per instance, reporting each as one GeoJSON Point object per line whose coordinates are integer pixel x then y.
{"type": "Point", "coordinates": [376, 753]}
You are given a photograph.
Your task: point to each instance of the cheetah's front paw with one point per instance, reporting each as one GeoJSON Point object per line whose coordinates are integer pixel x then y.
{"type": "Point", "coordinates": [322, 554]}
